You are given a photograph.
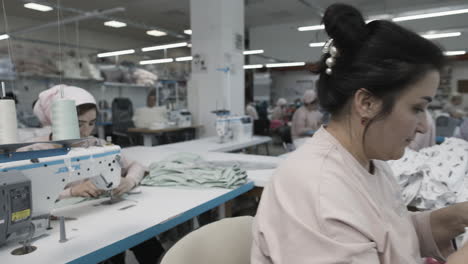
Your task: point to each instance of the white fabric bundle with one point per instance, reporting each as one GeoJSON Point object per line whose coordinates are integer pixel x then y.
{"type": "Point", "coordinates": [144, 77]}
{"type": "Point", "coordinates": [146, 117]}
{"type": "Point", "coordinates": [435, 176]}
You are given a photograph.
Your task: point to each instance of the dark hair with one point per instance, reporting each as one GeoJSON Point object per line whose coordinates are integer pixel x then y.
{"type": "Point", "coordinates": [380, 56]}
{"type": "Point", "coordinates": [81, 109]}
{"type": "Point", "coordinates": [12, 96]}
{"type": "Point", "coordinates": [34, 103]}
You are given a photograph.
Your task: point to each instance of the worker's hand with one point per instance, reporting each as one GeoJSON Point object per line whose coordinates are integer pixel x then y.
{"type": "Point", "coordinates": [460, 256]}
{"type": "Point", "coordinates": [126, 184]}
{"type": "Point", "coordinates": [88, 142]}
{"type": "Point", "coordinates": [85, 189]}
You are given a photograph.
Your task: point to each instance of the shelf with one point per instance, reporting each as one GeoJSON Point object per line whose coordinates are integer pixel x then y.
{"type": "Point", "coordinates": [12, 77]}
{"type": "Point", "coordinates": [132, 85]}
{"type": "Point", "coordinates": [164, 81]}
{"type": "Point", "coordinates": [35, 76]}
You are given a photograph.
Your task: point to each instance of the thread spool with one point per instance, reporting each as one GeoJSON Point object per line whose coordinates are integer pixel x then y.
{"type": "Point", "coordinates": [64, 120]}
{"type": "Point", "coordinates": [8, 123]}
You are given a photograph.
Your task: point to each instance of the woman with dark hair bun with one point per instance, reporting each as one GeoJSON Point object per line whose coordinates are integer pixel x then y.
{"type": "Point", "coordinates": [335, 200]}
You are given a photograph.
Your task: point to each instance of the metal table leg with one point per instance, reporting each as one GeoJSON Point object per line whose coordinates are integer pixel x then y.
{"type": "Point", "coordinates": [147, 140]}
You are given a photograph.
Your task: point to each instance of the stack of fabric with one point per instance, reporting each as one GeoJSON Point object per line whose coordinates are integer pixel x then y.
{"type": "Point", "coordinates": [144, 77]}
{"type": "Point", "coordinates": [147, 117]}
{"type": "Point", "coordinates": [34, 60]}
{"type": "Point", "coordinates": [187, 169]}
{"type": "Point", "coordinates": [434, 177]}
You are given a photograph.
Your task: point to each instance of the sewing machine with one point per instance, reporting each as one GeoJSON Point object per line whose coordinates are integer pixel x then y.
{"type": "Point", "coordinates": [182, 117]}
{"type": "Point", "coordinates": [242, 128]}
{"type": "Point", "coordinates": [32, 181]}
{"type": "Point", "coordinates": [237, 128]}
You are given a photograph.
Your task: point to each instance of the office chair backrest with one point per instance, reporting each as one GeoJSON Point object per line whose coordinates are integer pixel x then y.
{"type": "Point", "coordinates": [122, 113]}
{"type": "Point", "coordinates": [227, 241]}
{"type": "Point", "coordinates": [445, 126]}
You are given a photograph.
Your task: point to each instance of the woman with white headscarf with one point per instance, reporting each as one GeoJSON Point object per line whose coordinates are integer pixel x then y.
{"type": "Point", "coordinates": [132, 172]}
{"type": "Point", "coordinates": [307, 119]}
{"type": "Point", "coordinates": [279, 112]}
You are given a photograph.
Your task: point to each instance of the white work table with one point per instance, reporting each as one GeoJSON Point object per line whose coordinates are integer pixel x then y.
{"type": "Point", "coordinates": [103, 231]}
{"type": "Point", "coordinates": [213, 144]}
{"type": "Point", "coordinates": [100, 232]}
{"type": "Point", "coordinates": [259, 168]}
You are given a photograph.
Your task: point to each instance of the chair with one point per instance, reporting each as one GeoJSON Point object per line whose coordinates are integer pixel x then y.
{"type": "Point", "coordinates": [227, 241]}
{"type": "Point", "coordinates": [286, 139]}
{"type": "Point", "coordinates": [445, 126]}
{"type": "Point", "coordinates": [122, 114]}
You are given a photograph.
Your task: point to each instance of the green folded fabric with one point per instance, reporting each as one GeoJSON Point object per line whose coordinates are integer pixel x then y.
{"type": "Point", "coordinates": [188, 169]}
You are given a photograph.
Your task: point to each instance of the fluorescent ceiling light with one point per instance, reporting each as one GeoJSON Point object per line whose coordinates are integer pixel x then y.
{"type": "Point", "coordinates": [250, 52]}
{"type": "Point", "coordinates": [379, 17]}
{"type": "Point", "coordinates": [253, 66]}
{"type": "Point", "coordinates": [38, 7]}
{"type": "Point", "coordinates": [156, 33]}
{"type": "Point", "coordinates": [4, 36]}
{"type": "Point", "coordinates": [317, 44]}
{"type": "Point", "coordinates": [115, 24]}
{"type": "Point", "coordinates": [188, 31]}
{"type": "Point", "coordinates": [167, 46]}
{"type": "Point", "coordinates": [428, 15]}
{"type": "Point", "coordinates": [287, 64]}
{"type": "Point", "coordinates": [188, 58]}
{"type": "Point", "coordinates": [156, 61]}
{"type": "Point", "coordinates": [454, 53]}
{"type": "Point", "coordinates": [115, 53]}
{"type": "Point", "coordinates": [310, 28]}
{"type": "Point", "coordinates": [442, 35]}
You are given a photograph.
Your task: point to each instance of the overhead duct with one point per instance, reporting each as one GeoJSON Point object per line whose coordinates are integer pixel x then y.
{"type": "Point", "coordinates": [315, 7]}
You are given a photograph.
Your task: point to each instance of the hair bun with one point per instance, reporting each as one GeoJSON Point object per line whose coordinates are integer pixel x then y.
{"type": "Point", "coordinates": [346, 25]}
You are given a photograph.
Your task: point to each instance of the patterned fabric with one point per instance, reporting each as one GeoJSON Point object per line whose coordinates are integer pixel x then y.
{"type": "Point", "coordinates": [434, 177]}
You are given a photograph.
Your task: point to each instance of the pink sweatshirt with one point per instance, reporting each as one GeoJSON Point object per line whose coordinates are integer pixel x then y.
{"type": "Point", "coordinates": [131, 169]}
{"type": "Point", "coordinates": [323, 207]}
{"type": "Point", "coordinates": [304, 120]}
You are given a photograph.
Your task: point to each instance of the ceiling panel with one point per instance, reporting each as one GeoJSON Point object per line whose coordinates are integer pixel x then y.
{"type": "Point", "coordinates": [174, 15]}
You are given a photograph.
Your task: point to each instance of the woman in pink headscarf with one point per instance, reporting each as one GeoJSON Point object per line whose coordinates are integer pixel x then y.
{"type": "Point", "coordinates": [132, 172]}
{"type": "Point", "coordinates": [307, 119]}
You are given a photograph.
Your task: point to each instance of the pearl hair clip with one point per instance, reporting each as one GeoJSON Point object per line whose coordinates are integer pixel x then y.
{"type": "Point", "coordinates": [333, 51]}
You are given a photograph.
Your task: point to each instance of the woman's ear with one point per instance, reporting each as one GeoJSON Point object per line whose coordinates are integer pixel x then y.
{"type": "Point", "coordinates": [366, 104]}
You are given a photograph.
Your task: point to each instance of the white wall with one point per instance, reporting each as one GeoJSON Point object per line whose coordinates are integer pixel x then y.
{"type": "Point", "coordinates": [460, 72]}
{"type": "Point", "coordinates": [262, 86]}
{"type": "Point", "coordinates": [291, 85]}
